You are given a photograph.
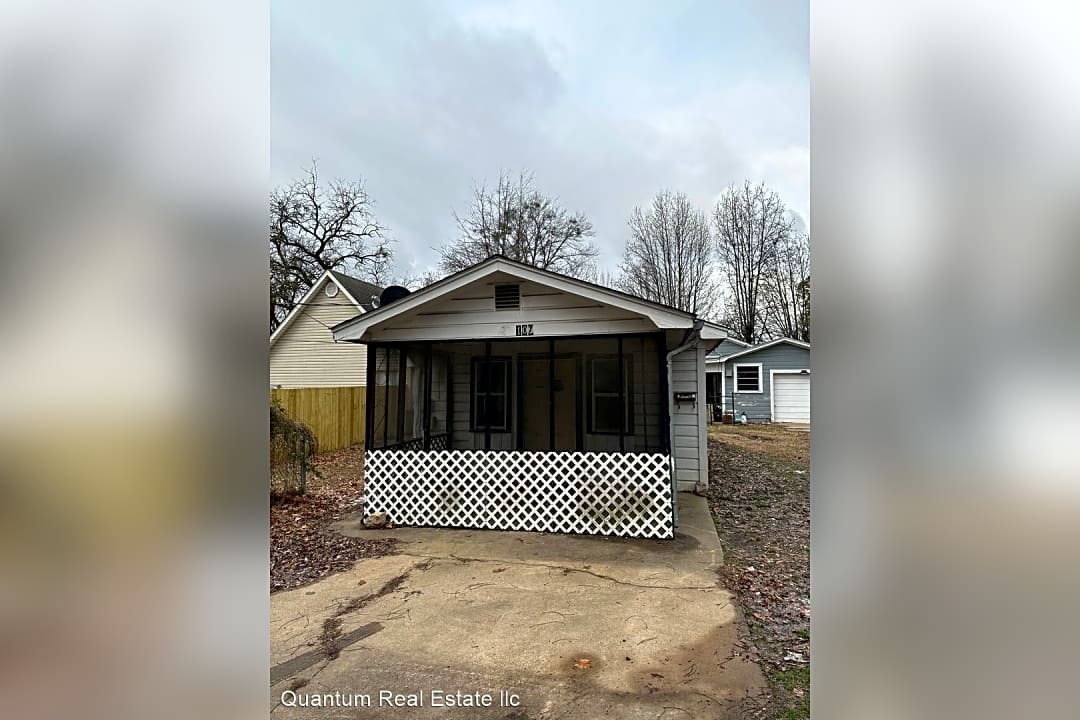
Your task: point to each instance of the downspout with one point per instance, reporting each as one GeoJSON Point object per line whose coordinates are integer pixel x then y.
{"type": "Point", "coordinates": [686, 345]}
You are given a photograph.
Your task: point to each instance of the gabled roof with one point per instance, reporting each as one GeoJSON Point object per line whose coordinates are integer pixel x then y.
{"type": "Point", "coordinates": [663, 315]}
{"type": "Point", "coordinates": [716, 354]}
{"type": "Point", "coordinates": [755, 348]}
{"type": "Point", "coordinates": [355, 291]}
{"type": "Point", "coordinates": [358, 290]}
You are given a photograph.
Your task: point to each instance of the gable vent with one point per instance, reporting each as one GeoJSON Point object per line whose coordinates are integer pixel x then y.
{"type": "Point", "coordinates": [508, 297]}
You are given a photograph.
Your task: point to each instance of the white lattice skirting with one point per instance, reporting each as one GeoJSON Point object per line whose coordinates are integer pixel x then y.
{"type": "Point", "coordinates": [624, 494]}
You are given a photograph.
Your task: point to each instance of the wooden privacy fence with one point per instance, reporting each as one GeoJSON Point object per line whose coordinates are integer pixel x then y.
{"type": "Point", "coordinates": [334, 414]}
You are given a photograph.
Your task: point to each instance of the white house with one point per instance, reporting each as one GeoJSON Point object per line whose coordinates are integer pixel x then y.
{"type": "Point", "coordinates": [509, 397]}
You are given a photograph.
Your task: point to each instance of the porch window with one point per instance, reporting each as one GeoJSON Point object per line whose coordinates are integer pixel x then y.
{"type": "Point", "coordinates": [490, 394]}
{"type": "Point", "coordinates": [604, 396]}
{"type": "Point", "coordinates": [748, 378]}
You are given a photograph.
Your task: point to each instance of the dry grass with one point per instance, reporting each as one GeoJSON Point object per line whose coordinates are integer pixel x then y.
{"type": "Point", "coordinates": [777, 442]}
{"type": "Point", "coordinates": [759, 491]}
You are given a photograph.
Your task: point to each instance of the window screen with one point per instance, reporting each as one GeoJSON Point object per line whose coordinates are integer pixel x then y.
{"type": "Point", "coordinates": [491, 394]}
{"type": "Point", "coordinates": [604, 395]}
{"type": "Point", "coordinates": [748, 378]}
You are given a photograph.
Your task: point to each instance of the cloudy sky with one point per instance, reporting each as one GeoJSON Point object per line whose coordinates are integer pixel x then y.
{"type": "Point", "coordinates": [605, 102]}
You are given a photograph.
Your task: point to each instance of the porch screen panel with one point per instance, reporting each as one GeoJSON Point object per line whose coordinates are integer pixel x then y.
{"type": "Point", "coordinates": [391, 411]}
{"type": "Point", "coordinates": [650, 412]}
{"type": "Point", "coordinates": [413, 395]}
{"type": "Point", "coordinates": [380, 398]}
{"type": "Point", "coordinates": [611, 393]}
{"type": "Point", "coordinates": [440, 401]}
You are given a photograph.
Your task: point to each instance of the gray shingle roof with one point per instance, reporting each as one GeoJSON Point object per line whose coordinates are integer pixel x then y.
{"type": "Point", "coordinates": [359, 289]}
{"type": "Point", "coordinates": [726, 347]}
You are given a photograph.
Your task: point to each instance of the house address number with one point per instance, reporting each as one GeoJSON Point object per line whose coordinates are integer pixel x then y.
{"type": "Point", "coordinates": [523, 330]}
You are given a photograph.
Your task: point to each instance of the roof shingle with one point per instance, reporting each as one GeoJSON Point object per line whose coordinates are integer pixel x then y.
{"type": "Point", "coordinates": [359, 289]}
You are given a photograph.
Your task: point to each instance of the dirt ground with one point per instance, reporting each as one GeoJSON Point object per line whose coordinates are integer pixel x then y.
{"type": "Point", "coordinates": [303, 548]}
{"type": "Point", "coordinates": [759, 493]}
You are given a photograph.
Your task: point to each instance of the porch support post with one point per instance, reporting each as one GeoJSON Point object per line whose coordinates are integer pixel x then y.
{"type": "Point", "coordinates": [427, 396]}
{"type": "Point", "coordinates": [401, 396]}
{"type": "Point", "coordinates": [644, 409]}
{"type": "Point", "coordinates": [665, 419]}
{"type": "Point", "coordinates": [369, 397]}
{"type": "Point", "coordinates": [551, 394]}
{"type": "Point", "coordinates": [487, 387]}
{"type": "Point", "coordinates": [622, 399]}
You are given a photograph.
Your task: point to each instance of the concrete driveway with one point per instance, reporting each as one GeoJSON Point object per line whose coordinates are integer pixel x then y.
{"type": "Point", "coordinates": [503, 614]}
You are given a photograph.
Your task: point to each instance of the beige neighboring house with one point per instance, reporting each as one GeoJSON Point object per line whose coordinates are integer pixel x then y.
{"type": "Point", "coordinates": [302, 349]}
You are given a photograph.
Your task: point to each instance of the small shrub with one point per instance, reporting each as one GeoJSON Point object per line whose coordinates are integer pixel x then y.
{"type": "Point", "coordinates": [292, 445]}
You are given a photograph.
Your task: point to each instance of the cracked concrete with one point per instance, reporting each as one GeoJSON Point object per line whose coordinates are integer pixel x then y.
{"type": "Point", "coordinates": [488, 611]}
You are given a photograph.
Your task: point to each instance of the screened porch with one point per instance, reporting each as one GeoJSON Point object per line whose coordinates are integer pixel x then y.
{"type": "Point", "coordinates": [553, 434]}
{"type": "Point", "coordinates": [562, 394]}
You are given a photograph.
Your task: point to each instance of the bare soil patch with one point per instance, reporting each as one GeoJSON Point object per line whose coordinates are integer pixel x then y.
{"type": "Point", "coordinates": [303, 546]}
{"type": "Point", "coordinates": [759, 493]}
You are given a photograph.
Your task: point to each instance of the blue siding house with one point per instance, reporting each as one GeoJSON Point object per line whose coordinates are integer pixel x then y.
{"type": "Point", "coordinates": [763, 383]}
{"type": "Point", "coordinates": [713, 390]}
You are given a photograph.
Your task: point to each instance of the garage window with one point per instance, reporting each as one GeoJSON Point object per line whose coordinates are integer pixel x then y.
{"type": "Point", "coordinates": [748, 378]}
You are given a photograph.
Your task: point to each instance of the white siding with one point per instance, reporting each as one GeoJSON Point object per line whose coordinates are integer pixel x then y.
{"type": "Point", "coordinates": [305, 354]}
{"type": "Point", "coordinates": [690, 446]}
{"type": "Point", "coordinates": [470, 314]}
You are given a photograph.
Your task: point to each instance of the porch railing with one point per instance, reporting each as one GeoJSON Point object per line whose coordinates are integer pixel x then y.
{"type": "Point", "coordinates": [438, 442]}
{"type": "Point", "coordinates": [622, 494]}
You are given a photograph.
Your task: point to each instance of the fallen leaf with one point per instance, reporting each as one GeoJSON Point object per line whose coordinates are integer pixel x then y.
{"type": "Point", "coordinates": [762, 513]}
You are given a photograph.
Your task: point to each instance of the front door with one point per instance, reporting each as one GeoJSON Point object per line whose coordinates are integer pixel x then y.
{"type": "Point", "coordinates": [534, 408]}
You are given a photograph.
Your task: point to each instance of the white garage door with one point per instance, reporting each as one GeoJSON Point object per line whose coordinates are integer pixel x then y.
{"type": "Point", "coordinates": [791, 398]}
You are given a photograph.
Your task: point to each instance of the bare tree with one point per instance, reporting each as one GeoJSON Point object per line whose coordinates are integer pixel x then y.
{"type": "Point", "coordinates": [668, 256]}
{"type": "Point", "coordinates": [787, 289]}
{"type": "Point", "coordinates": [517, 220]}
{"type": "Point", "coordinates": [414, 280]}
{"type": "Point", "coordinates": [804, 316]}
{"type": "Point", "coordinates": [751, 223]}
{"type": "Point", "coordinates": [314, 228]}
{"type": "Point", "coordinates": [605, 278]}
